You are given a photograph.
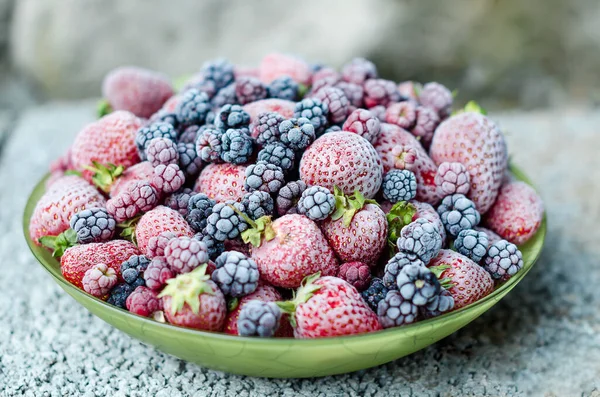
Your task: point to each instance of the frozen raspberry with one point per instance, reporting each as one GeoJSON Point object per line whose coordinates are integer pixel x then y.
{"type": "Point", "coordinates": [326, 82]}
{"type": "Point", "coordinates": [208, 145]}
{"type": "Point", "coordinates": [143, 302]}
{"type": "Point", "coordinates": [199, 208]}
{"type": "Point", "coordinates": [232, 116]}
{"type": "Point", "coordinates": [437, 97]}
{"type": "Point", "coordinates": [236, 146]}
{"type": "Point", "coordinates": [157, 273]}
{"type": "Point", "coordinates": [156, 244]}
{"type": "Point", "coordinates": [503, 260]}
{"type": "Point", "coordinates": [458, 213]}
{"type": "Point", "coordinates": [379, 112]}
{"type": "Point", "coordinates": [249, 89]}
{"type": "Point", "coordinates": [395, 265]}
{"type": "Point", "coordinates": [219, 71]}
{"type": "Point", "coordinates": [452, 178]}
{"type": "Point", "coordinates": [297, 134]}
{"type": "Point", "coordinates": [442, 303]}
{"type": "Point", "coordinates": [359, 70]}
{"type": "Point", "coordinates": [409, 89]}
{"type": "Point", "coordinates": [317, 203]}
{"type": "Point", "coordinates": [162, 151]}
{"type": "Point", "coordinates": [357, 274]}
{"type": "Point", "coordinates": [288, 197]}
{"type": "Point", "coordinates": [404, 157]}
{"type": "Point", "coordinates": [399, 185]}
{"type": "Point", "coordinates": [189, 161]}
{"type": "Point", "coordinates": [99, 280]}
{"type": "Point", "coordinates": [140, 196]}
{"type": "Point", "coordinates": [394, 310]}
{"type": "Point", "coordinates": [472, 244]}
{"type": "Point", "coordinates": [266, 128]}
{"type": "Point", "coordinates": [132, 270]}
{"type": "Point", "coordinates": [375, 293]}
{"type": "Point", "coordinates": [336, 101]}
{"type": "Point", "coordinates": [236, 274]}
{"type": "Point", "coordinates": [426, 123]}
{"type": "Point", "coordinates": [315, 111]}
{"type": "Point", "coordinates": [325, 73]}
{"type": "Point", "coordinates": [278, 154]}
{"type": "Point", "coordinates": [184, 254]}
{"type": "Point", "coordinates": [258, 204]}
{"type": "Point", "coordinates": [380, 92]}
{"type": "Point", "coordinates": [118, 295]}
{"type": "Point", "coordinates": [276, 65]}
{"type": "Point", "coordinates": [193, 107]}
{"type": "Point", "coordinates": [402, 114]}
{"type": "Point", "coordinates": [189, 135]}
{"type": "Point", "coordinates": [148, 133]}
{"type": "Point", "coordinates": [283, 87]}
{"type": "Point", "coordinates": [93, 225]}
{"type": "Point", "coordinates": [225, 96]}
{"type": "Point", "coordinates": [264, 176]}
{"type": "Point", "coordinates": [214, 247]}
{"type": "Point", "coordinates": [354, 93]}
{"type": "Point", "coordinates": [225, 221]}
{"type": "Point", "coordinates": [168, 178]}
{"type": "Point", "coordinates": [418, 285]}
{"type": "Point", "coordinates": [363, 123]}
{"type": "Point", "coordinates": [259, 318]}
{"type": "Point", "coordinates": [422, 239]}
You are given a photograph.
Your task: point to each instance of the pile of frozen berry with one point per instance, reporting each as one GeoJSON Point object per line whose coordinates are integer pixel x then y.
{"type": "Point", "coordinates": [285, 200]}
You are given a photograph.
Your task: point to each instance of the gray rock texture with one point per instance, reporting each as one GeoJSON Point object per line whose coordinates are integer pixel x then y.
{"type": "Point", "coordinates": [543, 339]}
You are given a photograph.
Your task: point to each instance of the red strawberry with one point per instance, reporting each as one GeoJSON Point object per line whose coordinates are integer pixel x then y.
{"type": "Point", "coordinates": [281, 106]}
{"type": "Point", "coordinates": [329, 306]}
{"type": "Point", "coordinates": [66, 196]}
{"type": "Point", "coordinates": [391, 138]}
{"type": "Point", "coordinates": [277, 65]}
{"type": "Point", "coordinates": [292, 248]}
{"type": "Point", "coordinates": [342, 159]}
{"type": "Point", "coordinates": [517, 213]}
{"type": "Point", "coordinates": [160, 219]}
{"type": "Point", "coordinates": [78, 259]}
{"type": "Point", "coordinates": [222, 182]}
{"type": "Point", "coordinates": [140, 172]}
{"type": "Point", "coordinates": [471, 281]}
{"type": "Point", "coordinates": [192, 300]}
{"type": "Point", "coordinates": [357, 230]}
{"type": "Point", "coordinates": [139, 91]}
{"type": "Point", "coordinates": [110, 140]}
{"type": "Point", "coordinates": [475, 141]}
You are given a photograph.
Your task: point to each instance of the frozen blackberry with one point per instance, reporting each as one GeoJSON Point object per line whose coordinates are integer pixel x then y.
{"type": "Point", "coordinates": [380, 92]}
{"type": "Point", "coordinates": [189, 161]}
{"type": "Point", "coordinates": [225, 221]}
{"type": "Point", "coordinates": [266, 127]}
{"type": "Point", "coordinates": [236, 146]}
{"type": "Point", "coordinates": [315, 111]}
{"type": "Point", "coordinates": [395, 265]}
{"type": "Point", "coordinates": [264, 176]}
{"type": "Point", "coordinates": [374, 293]}
{"type": "Point", "coordinates": [394, 310]}
{"type": "Point", "coordinates": [288, 196]}
{"type": "Point", "coordinates": [220, 71]}
{"type": "Point", "coordinates": [164, 116]}
{"type": "Point", "coordinates": [232, 116]}
{"type": "Point", "coordinates": [283, 87]}
{"type": "Point", "coordinates": [503, 260]}
{"type": "Point", "coordinates": [437, 97]}
{"type": "Point", "coordinates": [421, 239]}
{"type": "Point", "coordinates": [93, 225]}
{"type": "Point", "coordinates": [199, 208]}
{"type": "Point", "coordinates": [458, 213]}
{"type": "Point", "coordinates": [337, 103]}
{"type": "Point", "coordinates": [278, 154]}
{"type": "Point", "coordinates": [418, 284]}
{"type": "Point", "coordinates": [472, 244]}
{"type": "Point", "coordinates": [179, 200]}
{"type": "Point", "coordinates": [316, 203]}
{"type": "Point", "coordinates": [359, 70]}
{"type": "Point", "coordinates": [225, 96]}
{"type": "Point", "coordinates": [354, 93]}
{"type": "Point", "coordinates": [249, 89]}
{"type": "Point", "coordinates": [193, 107]}
{"type": "Point", "coordinates": [442, 303]}
{"type": "Point", "coordinates": [189, 135]}
{"type": "Point", "coordinates": [132, 270]}
{"type": "Point", "coordinates": [119, 294]}
{"type": "Point", "coordinates": [297, 134]}
{"type": "Point", "coordinates": [155, 130]}
{"type": "Point", "coordinates": [258, 204]}
{"type": "Point", "coordinates": [214, 247]}
{"type": "Point", "coordinates": [236, 274]}
{"type": "Point", "coordinates": [399, 185]}
{"type": "Point", "coordinates": [208, 145]}
{"type": "Point", "coordinates": [162, 151]}
{"type": "Point", "coordinates": [259, 318]}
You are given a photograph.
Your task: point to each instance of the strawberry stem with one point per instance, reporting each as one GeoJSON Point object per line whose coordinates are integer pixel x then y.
{"type": "Point", "coordinates": [400, 215]}
{"type": "Point", "coordinates": [304, 293]}
{"type": "Point", "coordinates": [59, 244]}
{"type": "Point", "coordinates": [103, 108]}
{"type": "Point", "coordinates": [186, 288]}
{"type": "Point", "coordinates": [346, 206]}
{"type": "Point", "coordinates": [104, 175]}
{"type": "Point", "coordinates": [128, 232]}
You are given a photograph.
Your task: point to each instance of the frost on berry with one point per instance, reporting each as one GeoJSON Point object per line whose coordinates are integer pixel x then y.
{"type": "Point", "coordinates": [99, 280]}
{"type": "Point", "coordinates": [452, 178]}
{"type": "Point", "coordinates": [363, 123]}
{"type": "Point", "coordinates": [168, 178]}
{"type": "Point", "coordinates": [404, 157]}
{"type": "Point", "coordinates": [402, 114]}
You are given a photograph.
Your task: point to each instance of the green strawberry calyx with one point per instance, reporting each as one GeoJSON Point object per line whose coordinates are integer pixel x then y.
{"type": "Point", "coordinates": [446, 282]}
{"type": "Point", "coordinates": [128, 229]}
{"type": "Point", "coordinates": [262, 227]}
{"type": "Point", "coordinates": [400, 215]}
{"type": "Point", "coordinates": [103, 108]}
{"type": "Point", "coordinates": [346, 206]}
{"type": "Point", "coordinates": [186, 288]}
{"type": "Point", "coordinates": [472, 107]}
{"type": "Point", "coordinates": [59, 244]}
{"type": "Point", "coordinates": [301, 295]}
{"type": "Point", "coordinates": [104, 174]}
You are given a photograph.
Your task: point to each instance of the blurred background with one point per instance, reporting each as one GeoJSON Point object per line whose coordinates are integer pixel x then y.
{"type": "Point", "coordinates": [510, 53]}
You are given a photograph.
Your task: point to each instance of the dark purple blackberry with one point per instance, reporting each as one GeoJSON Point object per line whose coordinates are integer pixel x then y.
{"type": "Point", "coordinates": [225, 96]}
{"type": "Point", "coordinates": [199, 208]}
{"type": "Point", "coordinates": [189, 135]}
{"type": "Point", "coordinates": [193, 107]}
{"type": "Point", "coordinates": [220, 71]}
{"type": "Point", "coordinates": [374, 293]}
{"type": "Point", "coordinates": [359, 70]}
{"type": "Point", "coordinates": [214, 247]}
{"type": "Point", "coordinates": [336, 101]}
{"type": "Point", "coordinates": [278, 154]}
{"type": "Point", "coordinates": [189, 161]}
{"type": "Point", "coordinates": [119, 294]}
{"type": "Point", "coordinates": [259, 318]}
{"type": "Point", "coordinates": [399, 185]}
{"type": "Point", "coordinates": [249, 89]}
{"type": "Point", "coordinates": [132, 270]}
{"type": "Point", "coordinates": [225, 221]}
{"type": "Point", "coordinates": [420, 239]}
{"type": "Point", "coordinates": [472, 244]}
{"type": "Point", "coordinates": [155, 130]}
{"type": "Point", "coordinates": [164, 116]}
{"type": "Point", "coordinates": [418, 284]}
{"type": "Point", "coordinates": [203, 85]}
{"type": "Point", "coordinates": [266, 127]}
{"type": "Point", "coordinates": [442, 303]}
{"type": "Point", "coordinates": [236, 274]}
{"type": "Point", "coordinates": [264, 176]}
{"type": "Point", "coordinates": [316, 203]}
{"type": "Point", "coordinates": [394, 310]}
{"type": "Point", "coordinates": [288, 196]}
{"type": "Point", "coordinates": [258, 204]}
{"type": "Point", "coordinates": [283, 87]}
{"type": "Point", "coordinates": [354, 93]}
{"type": "Point", "coordinates": [232, 116]}
{"type": "Point", "coordinates": [237, 146]}
{"type": "Point", "coordinates": [93, 225]}
{"type": "Point", "coordinates": [179, 200]}
{"type": "Point", "coordinates": [297, 134]}
{"type": "Point", "coordinates": [313, 110]}
{"type": "Point", "coordinates": [458, 213]}
{"type": "Point", "coordinates": [503, 260]}
{"type": "Point", "coordinates": [395, 265]}
{"type": "Point", "coordinates": [210, 117]}
{"type": "Point", "coordinates": [208, 145]}
{"type": "Point", "coordinates": [380, 92]}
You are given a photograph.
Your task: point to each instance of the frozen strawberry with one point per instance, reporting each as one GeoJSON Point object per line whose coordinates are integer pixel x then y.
{"type": "Point", "coordinates": [276, 65]}
{"type": "Point", "coordinates": [139, 172]}
{"type": "Point", "coordinates": [160, 219]}
{"type": "Point", "coordinates": [342, 159]}
{"type": "Point", "coordinates": [281, 106]}
{"type": "Point", "coordinates": [517, 213]}
{"type": "Point", "coordinates": [222, 182]}
{"type": "Point", "coordinates": [143, 301]}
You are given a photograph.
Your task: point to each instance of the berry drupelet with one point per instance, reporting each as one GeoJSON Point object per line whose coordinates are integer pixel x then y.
{"type": "Point", "coordinates": [283, 87]}
{"type": "Point", "coordinates": [395, 265]}
{"type": "Point", "coordinates": [442, 303]}
{"type": "Point", "coordinates": [219, 71]}
{"type": "Point", "coordinates": [214, 247]}
{"type": "Point", "coordinates": [148, 133]}
{"type": "Point", "coordinates": [132, 270]}
{"type": "Point", "coordinates": [236, 146]}
{"type": "Point", "coordinates": [503, 260]}
{"type": "Point", "coordinates": [225, 221]}
{"type": "Point", "coordinates": [374, 293]}
{"type": "Point", "coordinates": [189, 161]}
{"type": "Point", "coordinates": [209, 146]}
{"type": "Point", "coordinates": [162, 151]}
{"type": "Point", "coordinates": [357, 274]}
{"type": "Point", "coordinates": [232, 116]}
{"type": "Point", "coordinates": [184, 254]}
{"type": "Point", "coordinates": [418, 285]}
{"type": "Point", "coordinates": [420, 239]}
{"type": "Point", "coordinates": [288, 196]}
{"type": "Point", "coordinates": [359, 70]}
{"type": "Point", "coordinates": [394, 310]}
{"type": "Point", "coordinates": [119, 294]}
{"type": "Point", "coordinates": [249, 89]}
{"type": "Point", "coordinates": [336, 101]}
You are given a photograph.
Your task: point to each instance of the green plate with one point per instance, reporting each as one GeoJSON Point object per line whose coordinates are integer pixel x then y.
{"type": "Point", "coordinates": [283, 357]}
